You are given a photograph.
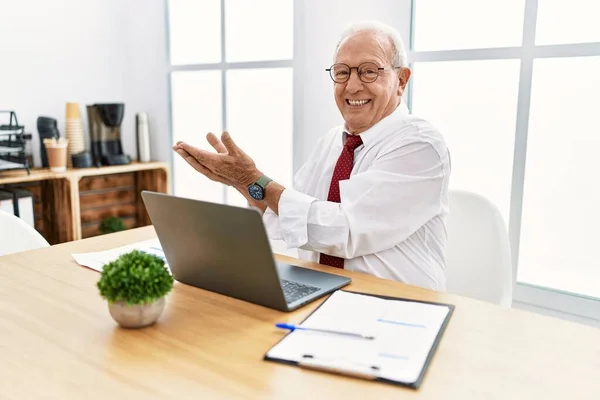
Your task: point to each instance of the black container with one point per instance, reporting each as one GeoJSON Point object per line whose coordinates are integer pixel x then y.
{"type": "Point", "coordinates": [47, 129]}
{"type": "Point", "coordinates": [82, 160]}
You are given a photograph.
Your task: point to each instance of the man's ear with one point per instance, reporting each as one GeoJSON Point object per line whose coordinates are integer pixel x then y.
{"type": "Point", "coordinates": [403, 77]}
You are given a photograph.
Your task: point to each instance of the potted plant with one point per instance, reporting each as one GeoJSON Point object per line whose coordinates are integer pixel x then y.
{"type": "Point", "coordinates": [135, 286]}
{"type": "Point", "coordinates": [111, 225]}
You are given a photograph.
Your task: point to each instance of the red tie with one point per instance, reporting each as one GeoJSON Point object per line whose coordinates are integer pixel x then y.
{"type": "Point", "coordinates": [342, 170]}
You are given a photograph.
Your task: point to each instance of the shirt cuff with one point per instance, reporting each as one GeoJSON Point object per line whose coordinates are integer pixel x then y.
{"type": "Point", "coordinates": [293, 217]}
{"type": "Point", "coordinates": [271, 222]}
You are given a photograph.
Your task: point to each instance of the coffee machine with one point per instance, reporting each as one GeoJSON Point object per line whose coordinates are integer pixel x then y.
{"type": "Point", "coordinates": [105, 134]}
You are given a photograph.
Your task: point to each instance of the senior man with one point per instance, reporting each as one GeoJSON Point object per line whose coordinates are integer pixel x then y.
{"type": "Point", "coordinates": [373, 195]}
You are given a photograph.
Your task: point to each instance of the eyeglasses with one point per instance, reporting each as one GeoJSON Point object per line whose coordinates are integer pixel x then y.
{"type": "Point", "coordinates": [367, 72]}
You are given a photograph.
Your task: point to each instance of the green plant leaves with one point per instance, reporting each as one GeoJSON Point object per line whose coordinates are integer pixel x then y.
{"type": "Point", "coordinates": [111, 224]}
{"type": "Point", "coordinates": [135, 278]}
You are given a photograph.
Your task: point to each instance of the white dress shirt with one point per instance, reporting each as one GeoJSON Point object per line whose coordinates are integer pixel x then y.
{"type": "Point", "coordinates": [391, 219]}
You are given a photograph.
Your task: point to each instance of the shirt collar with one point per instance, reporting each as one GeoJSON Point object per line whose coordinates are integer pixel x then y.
{"type": "Point", "coordinates": [369, 135]}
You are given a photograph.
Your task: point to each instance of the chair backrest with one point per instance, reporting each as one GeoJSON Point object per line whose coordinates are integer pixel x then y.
{"type": "Point", "coordinates": [478, 259]}
{"type": "Point", "coordinates": [17, 235]}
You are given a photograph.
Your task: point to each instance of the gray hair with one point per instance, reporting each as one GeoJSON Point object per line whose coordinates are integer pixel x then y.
{"type": "Point", "coordinates": [382, 31]}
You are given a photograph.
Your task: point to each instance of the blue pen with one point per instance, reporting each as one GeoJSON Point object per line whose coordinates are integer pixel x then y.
{"type": "Point", "coordinates": [294, 327]}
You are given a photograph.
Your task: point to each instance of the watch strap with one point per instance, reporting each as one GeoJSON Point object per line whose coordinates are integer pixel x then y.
{"type": "Point", "coordinates": [263, 181]}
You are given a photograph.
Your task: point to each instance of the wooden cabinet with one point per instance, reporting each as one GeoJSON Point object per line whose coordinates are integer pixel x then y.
{"type": "Point", "coordinates": [71, 205]}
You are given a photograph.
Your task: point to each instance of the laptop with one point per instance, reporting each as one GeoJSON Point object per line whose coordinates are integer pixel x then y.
{"type": "Point", "coordinates": [225, 249]}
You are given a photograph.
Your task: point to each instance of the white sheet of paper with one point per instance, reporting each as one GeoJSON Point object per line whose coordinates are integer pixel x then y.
{"type": "Point", "coordinates": [404, 334]}
{"type": "Point", "coordinates": [97, 260]}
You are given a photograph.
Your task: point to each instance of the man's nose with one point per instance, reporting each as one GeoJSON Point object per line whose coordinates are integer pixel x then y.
{"type": "Point", "coordinates": [354, 83]}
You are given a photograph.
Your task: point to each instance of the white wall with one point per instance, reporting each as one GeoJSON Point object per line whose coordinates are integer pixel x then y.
{"type": "Point", "coordinates": [320, 24]}
{"type": "Point", "coordinates": [145, 30]}
{"type": "Point", "coordinates": [59, 51]}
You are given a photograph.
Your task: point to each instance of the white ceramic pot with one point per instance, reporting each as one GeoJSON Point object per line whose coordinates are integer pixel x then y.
{"type": "Point", "coordinates": [138, 315]}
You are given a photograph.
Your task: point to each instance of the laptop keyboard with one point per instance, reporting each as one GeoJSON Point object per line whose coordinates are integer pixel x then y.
{"type": "Point", "coordinates": [294, 290]}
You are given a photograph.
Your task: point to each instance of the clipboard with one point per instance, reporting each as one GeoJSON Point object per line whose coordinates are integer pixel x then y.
{"type": "Point", "coordinates": [364, 370]}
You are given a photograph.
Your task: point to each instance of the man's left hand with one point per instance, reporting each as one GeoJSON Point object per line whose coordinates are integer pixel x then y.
{"type": "Point", "coordinates": [230, 165]}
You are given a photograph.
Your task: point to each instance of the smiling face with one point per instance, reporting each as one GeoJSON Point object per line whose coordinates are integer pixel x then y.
{"type": "Point", "coordinates": [364, 104]}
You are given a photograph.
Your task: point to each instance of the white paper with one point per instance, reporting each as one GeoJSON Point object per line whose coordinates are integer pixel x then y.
{"type": "Point", "coordinates": [97, 260]}
{"type": "Point", "coordinates": [404, 334]}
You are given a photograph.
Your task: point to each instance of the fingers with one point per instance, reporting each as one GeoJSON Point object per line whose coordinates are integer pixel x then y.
{"type": "Point", "coordinates": [176, 145]}
{"type": "Point", "coordinates": [216, 143]}
{"type": "Point", "coordinates": [229, 143]}
{"type": "Point", "coordinates": [193, 162]}
{"type": "Point", "coordinates": [229, 165]}
{"type": "Point", "coordinates": [204, 157]}
{"type": "Point", "coordinates": [190, 160]}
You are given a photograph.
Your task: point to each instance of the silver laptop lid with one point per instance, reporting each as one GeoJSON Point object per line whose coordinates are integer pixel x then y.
{"type": "Point", "coordinates": [217, 247]}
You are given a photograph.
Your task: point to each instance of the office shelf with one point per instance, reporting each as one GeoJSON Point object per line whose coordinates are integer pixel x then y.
{"type": "Point", "coordinates": [71, 205]}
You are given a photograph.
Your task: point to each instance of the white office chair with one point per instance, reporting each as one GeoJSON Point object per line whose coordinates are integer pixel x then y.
{"type": "Point", "coordinates": [16, 235]}
{"type": "Point", "coordinates": [478, 259]}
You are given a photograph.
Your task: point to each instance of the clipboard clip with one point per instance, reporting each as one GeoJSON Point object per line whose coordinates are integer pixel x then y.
{"type": "Point", "coordinates": [370, 372]}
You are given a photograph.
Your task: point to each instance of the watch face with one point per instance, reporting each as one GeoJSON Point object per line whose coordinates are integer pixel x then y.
{"type": "Point", "coordinates": [256, 192]}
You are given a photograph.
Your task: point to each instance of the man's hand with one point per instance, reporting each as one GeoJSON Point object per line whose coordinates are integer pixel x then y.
{"type": "Point", "coordinates": [230, 165]}
{"type": "Point", "coordinates": [180, 148]}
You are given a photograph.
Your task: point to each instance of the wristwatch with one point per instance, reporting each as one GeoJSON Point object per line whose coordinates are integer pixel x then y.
{"type": "Point", "coordinates": [257, 189]}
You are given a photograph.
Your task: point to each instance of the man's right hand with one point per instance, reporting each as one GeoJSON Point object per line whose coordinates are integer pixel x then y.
{"type": "Point", "coordinates": [220, 148]}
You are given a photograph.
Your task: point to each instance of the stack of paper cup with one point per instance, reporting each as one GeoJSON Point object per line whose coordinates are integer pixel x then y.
{"type": "Point", "coordinates": [74, 131]}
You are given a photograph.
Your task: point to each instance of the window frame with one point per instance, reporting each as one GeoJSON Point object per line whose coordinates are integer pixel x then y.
{"type": "Point", "coordinates": [524, 294]}
{"type": "Point", "coordinates": [224, 66]}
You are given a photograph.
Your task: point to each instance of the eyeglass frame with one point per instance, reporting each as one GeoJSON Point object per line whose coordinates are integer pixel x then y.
{"type": "Point", "coordinates": [358, 73]}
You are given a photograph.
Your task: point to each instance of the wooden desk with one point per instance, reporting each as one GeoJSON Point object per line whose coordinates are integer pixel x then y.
{"type": "Point", "coordinates": [58, 341]}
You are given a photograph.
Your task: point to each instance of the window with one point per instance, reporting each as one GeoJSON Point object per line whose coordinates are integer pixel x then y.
{"type": "Point", "coordinates": [461, 106]}
{"type": "Point", "coordinates": [190, 20]}
{"type": "Point", "coordinates": [517, 102]}
{"type": "Point", "coordinates": [561, 196]}
{"type": "Point", "coordinates": [230, 72]}
{"type": "Point", "coordinates": [197, 108]}
{"type": "Point", "coordinates": [258, 30]}
{"type": "Point", "coordinates": [559, 22]}
{"type": "Point", "coordinates": [251, 94]}
{"type": "Point", "coordinates": [467, 24]}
